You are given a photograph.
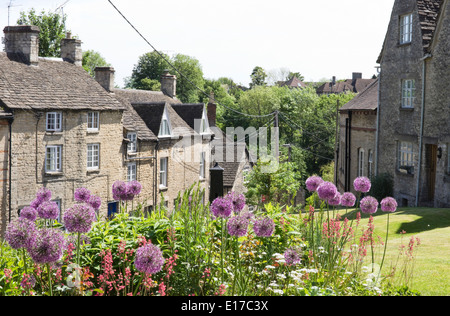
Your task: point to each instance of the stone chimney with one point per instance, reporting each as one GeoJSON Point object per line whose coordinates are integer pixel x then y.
{"type": "Point", "coordinates": [211, 110]}
{"type": "Point", "coordinates": [22, 43]}
{"type": "Point", "coordinates": [71, 50]}
{"type": "Point", "coordinates": [105, 77]}
{"type": "Point", "coordinates": [356, 75]}
{"type": "Point", "coordinates": [169, 84]}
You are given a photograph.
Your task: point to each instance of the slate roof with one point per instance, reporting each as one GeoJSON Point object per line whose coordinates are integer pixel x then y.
{"type": "Point", "coordinates": [189, 112]}
{"type": "Point", "coordinates": [151, 114]}
{"type": "Point", "coordinates": [365, 100]}
{"type": "Point", "coordinates": [52, 84]}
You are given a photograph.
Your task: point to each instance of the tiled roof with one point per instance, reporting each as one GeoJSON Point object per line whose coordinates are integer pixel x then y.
{"type": "Point", "coordinates": [52, 84]}
{"type": "Point", "coordinates": [294, 82]}
{"type": "Point", "coordinates": [365, 100]}
{"type": "Point", "coordinates": [428, 14]}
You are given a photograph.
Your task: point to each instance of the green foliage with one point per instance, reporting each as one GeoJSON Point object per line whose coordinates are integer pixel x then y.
{"type": "Point", "coordinates": [91, 60]}
{"type": "Point", "coordinates": [147, 72]}
{"type": "Point", "coordinates": [52, 30]}
{"type": "Point", "coordinates": [382, 186]}
{"type": "Point", "coordinates": [258, 77]}
{"type": "Point", "coordinates": [276, 182]}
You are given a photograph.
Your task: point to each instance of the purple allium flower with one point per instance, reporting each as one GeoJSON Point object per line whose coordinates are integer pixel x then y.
{"type": "Point", "coordinates": [336, 200]}
{"type": "Point", "coordinates": [238, 201]}
{"type": "Point", "coordinates": [264, 227]}
{"type": "Point", "coordinates": [388, 204]}
{"type": "Point", "coordinates": [21, 233]}
{"type": "Point", "coordinates": [44, 194]}
{"type": "Point", "coordinates": [369, 205]}
{"type": "Point", "coordinates": [313, 182]}
{"type": "Point", "coordinates": [119, 190]}
{"type": "Point", "coordinates": [292, 255]}
{"type": "Point", "coordinates": [95, 202]}
{"type": "Point", "coordinates": [82, 195]}
{"type": "Point", "coordinates": [362, 184]}
{"type": "Point", "coordinates": [48, 210]}
{"type": "Point", "coordinates": [326, 190]}
{"type": "Point", "coordinates": [79, 218]}
{"type": "Point", "coordinates": [29, 213]}
{"type": "Point", "coordinates": [221, 207]}
{"type": "Point", "coordinates": [237, 226]}
{"type": "Point", "coordinates": [36, 202]}
{"type": "Point", "coordinates": [247, 215]}
{"type": "Point", "coordinates": [134, 187]}
{"type": "Point", "coordinates": [149, 259]}
{"type": "Point", "coordinates": [49, 246]}
{"type": "Point", "coordinates": [348, 199]}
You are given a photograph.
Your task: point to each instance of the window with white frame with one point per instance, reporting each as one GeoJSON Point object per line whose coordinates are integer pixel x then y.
{"type": "Point", "coordinates": [53, 158]}
{"type": "Point", "coordinates": [93, 156]}
{"type": "Point", "coordinates": [131, 171]}
{"type": "Point", "coordinates": [132, 145]}
{"type": "Point", "coordinates": [202, 165]}
{"type": "Point", "coordinates": [360, 162]}
{"type": "Point", "coordinates": [163, 172]}
{"type": "Point", "coordinates": [53, 121]}
{"type": "Point", "coordinates": [405, 157]}
{"type": "Point", "coordinates": [93, 121]}
{"type": "Point", "coordinates": [164, 128]}
{"type": "Point", "coordinates": [370, 164]}
{"type": "Point", "coordinates": [406, 28]}
{"type": "Point", "coordinates": [408, 93]}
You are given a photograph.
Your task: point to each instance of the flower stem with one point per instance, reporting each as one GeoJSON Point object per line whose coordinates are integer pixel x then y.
{"type": "Point", "coordinates": [49, 279]}
{"type": "Point", "coordinates": [385, 245]}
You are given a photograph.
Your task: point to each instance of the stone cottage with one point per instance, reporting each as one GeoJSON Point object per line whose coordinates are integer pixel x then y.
{"type": "Point", "coordinates": [167, 142]}
{"type": "Point", "coordinates": [59, 128]}
{"type": "Point", "coordinates": [357, 126]}
{"type": "Point", "coordinates": [414, 105]}
{"type": "Point", "coordinates": [355, 85]}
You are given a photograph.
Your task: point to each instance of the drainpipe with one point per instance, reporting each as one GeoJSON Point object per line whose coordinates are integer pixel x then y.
{"type": "Point", "coordinates": [422, 118]}
{"type": "Point", "coordinates": [378, 122]}
{"type": "Point", "coordinates": [155, 176]}
{"type": "Point", "coordinates": [10, 121]}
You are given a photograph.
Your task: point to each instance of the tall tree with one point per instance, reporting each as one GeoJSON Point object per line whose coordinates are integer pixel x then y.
{"type": "Point", "coordinates": [52, 26]}
{"type": "Point", "coordinates": [150, 66]}
{"type": "Point", "coordinates": [258, 77]}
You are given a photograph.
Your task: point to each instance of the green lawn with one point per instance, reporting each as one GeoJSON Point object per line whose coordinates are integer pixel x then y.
{"type": "Point", "coordinates": [431, 273]}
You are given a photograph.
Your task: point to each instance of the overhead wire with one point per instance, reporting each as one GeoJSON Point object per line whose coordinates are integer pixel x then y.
{"type": "Point", "coordinates": [181, 74]}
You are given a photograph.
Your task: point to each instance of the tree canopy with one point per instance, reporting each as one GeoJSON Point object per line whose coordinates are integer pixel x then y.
{"type": "Point", "coordinates": [147, 73]}
{"type": "Point", "coordinates": [52, 30]}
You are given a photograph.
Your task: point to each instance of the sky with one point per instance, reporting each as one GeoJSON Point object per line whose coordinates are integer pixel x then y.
{"type": "Point", "coordinates": [319, 39]}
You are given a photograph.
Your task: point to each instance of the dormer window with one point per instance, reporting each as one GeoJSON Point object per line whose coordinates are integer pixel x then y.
{"type": "Point", "coordinates": [164, 128]}
{"type": "Point", "coordinates": [204, 126]}
{"type": "Point", "coordinates": [406, 28]}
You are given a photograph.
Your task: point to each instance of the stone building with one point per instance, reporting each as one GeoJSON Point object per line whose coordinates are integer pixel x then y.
{"type": "Point", "coordinates": [357, 126]}
{"type": "Point", "coordinates": [414, 105]}
{"type": "Point", "coordinates": [64, 130]}
{"type": "Point", "coordinates": [167, 142]}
